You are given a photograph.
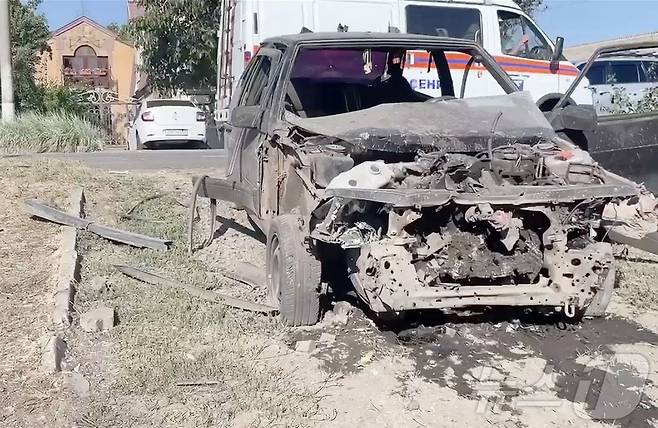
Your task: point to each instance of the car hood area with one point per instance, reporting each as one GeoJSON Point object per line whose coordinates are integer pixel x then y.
{"type": "Point", "coordinates": [457, 125]}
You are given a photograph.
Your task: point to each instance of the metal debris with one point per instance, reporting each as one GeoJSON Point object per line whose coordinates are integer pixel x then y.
{"type": "Point", "coordinates": [40, 210]}
{"type": "Point", "coordinates": [155, 279]}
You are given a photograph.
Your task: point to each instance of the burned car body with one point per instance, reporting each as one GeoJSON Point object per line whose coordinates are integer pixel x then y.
{"type": "Point", "coordinates": [429, 203]}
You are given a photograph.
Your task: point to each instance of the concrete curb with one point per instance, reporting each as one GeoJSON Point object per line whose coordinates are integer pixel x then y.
{"type": "Point", "coordinates": [68, 273]}
{"type": "Point", "coordinates": [69, 266]}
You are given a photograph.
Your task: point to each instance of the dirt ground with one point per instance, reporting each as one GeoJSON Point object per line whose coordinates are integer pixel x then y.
{"type": "Point", "coordinates": [175, 360]}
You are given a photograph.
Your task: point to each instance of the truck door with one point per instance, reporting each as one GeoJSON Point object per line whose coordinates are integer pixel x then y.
{"type": "Point", "coordinates": [245, 128]}
{"type": "Point", "coordinates": [526, 55]}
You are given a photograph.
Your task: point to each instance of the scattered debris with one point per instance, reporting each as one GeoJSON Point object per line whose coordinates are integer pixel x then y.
{"type": "Point", "coordinates": [366, 358]}
{"type": "Point", "coordinates": [450, 332]}
{"type": "Point", "coordinates": [154, 279]}
{"type": "Point", "coordinates": [305, 346]}
{"type": "Point", "coordinates": [248, 274]}
{"type": "Point", "coordinates": [129, 214]}
{"type": "Point", "coordinates": [76, 383]}
{"type": "Point", "coordinates": [98, 319]}
{"type": "Point", "coordinates": [422, 334]}
{"type": "Point", "coordinates": [53, 355]}
{"type": "Point", "coordinates": [339, 314]}
{"type": "Point", "coordinates": [200, 383]}
{"type": "Point", "coordinates": [43, 211]}
{"type": "Point", "coordinates": [327, 338]}
{"type": "Point", "coordinates": [413, 405]}
{"type": "Point", "coordinates": [97, 285]}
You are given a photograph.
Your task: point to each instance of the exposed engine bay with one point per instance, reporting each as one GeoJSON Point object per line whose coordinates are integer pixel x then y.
{"type": "Point", "coordinates": [519, 221]}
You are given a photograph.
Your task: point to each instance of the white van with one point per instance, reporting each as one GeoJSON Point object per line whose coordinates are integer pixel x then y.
{"type": "Point", "coordinates": [517, 43]}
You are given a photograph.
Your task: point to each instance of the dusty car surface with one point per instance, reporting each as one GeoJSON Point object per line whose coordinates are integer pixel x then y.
{"type": "Point", "coordinates": [423, 202]}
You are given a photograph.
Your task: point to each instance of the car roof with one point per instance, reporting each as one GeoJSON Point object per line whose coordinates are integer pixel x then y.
{"type": "Point", "coordinates": [627, 58]}
{"type": "Point", "coordinates": [293, 39]}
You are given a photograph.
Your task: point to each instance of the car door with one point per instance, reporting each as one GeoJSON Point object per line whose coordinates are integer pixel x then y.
{"type": "Point", "coordinates": [597, 76]}
{"type": "Point", "coordinates": [246, 128]}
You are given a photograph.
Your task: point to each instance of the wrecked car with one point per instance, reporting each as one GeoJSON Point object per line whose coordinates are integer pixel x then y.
{"type": "Point", "coordinates": [424, 203]}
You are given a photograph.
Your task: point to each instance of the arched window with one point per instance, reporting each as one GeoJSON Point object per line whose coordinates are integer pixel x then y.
{"type": "Point", "coordinates": [85, 68]}
{"type": "Point", "coordinates": [84, 50]}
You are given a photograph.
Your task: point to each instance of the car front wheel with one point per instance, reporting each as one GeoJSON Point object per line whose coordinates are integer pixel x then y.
{"type": "Point", "coordinates": [293, 273]}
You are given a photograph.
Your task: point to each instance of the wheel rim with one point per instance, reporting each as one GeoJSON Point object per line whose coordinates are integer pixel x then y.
{"type": "Point", "coordinates": [273, 277]}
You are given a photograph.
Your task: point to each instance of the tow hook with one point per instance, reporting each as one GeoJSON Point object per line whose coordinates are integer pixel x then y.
{"type": "Point", "coordinates": [569, 310]}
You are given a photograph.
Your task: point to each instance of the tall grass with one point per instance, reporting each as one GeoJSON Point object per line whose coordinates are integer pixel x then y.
{"type": "Point", "coordinates": [50, 132]}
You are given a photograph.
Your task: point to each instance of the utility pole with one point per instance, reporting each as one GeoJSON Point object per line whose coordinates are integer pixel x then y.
{"type": "Point", "coordinates": [6, 83]}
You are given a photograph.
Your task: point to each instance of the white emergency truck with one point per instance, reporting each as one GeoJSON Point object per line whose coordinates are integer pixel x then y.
{"type": "Point", "coordinates": [534, 62]}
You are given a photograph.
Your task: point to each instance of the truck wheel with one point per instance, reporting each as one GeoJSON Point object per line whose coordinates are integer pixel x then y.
{"type": "Point", "coordinates": [293, 273]}
{"type": "Point", "coordinates": [602, 298]}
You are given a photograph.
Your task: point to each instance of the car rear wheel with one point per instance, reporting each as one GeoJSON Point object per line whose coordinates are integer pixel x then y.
{"type": "Point", "coordinates": [293, 273]}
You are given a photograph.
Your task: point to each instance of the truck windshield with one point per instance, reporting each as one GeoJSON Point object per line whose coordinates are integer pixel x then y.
{"type": "Point", "coordinates": [457, 22]}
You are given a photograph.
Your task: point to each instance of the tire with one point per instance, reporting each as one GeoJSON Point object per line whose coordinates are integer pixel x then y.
{"type": "Point", "coordinates": [293, 273]}
{"type": "Point", "coordinates": [602, 298]}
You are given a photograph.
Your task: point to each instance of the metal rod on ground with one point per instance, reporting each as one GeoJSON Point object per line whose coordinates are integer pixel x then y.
{"type": "Point", "coordinates": [190, 219]}
{"type": "Point", "coordinates": [6, 82]}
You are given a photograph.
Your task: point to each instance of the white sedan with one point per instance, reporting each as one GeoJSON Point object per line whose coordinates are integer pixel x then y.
{"type": "Point", "coordinates": [158, 122]}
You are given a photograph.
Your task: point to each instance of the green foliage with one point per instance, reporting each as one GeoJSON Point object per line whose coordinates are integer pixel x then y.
{"type": "Point", "coordinates": [178, 39]}
{"type": "Point", "coordinates": [51, 132]}
{"type": "Point", "coordinates": [29, 36]}
{"type": "Point", "coordinates": [530, 6]}
{"type": "Point", "coordinates": [60, 98]}
{"type": "Point", "coordinates": [124, 31]}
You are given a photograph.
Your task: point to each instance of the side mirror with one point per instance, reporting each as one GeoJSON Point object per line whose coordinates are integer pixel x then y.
{"type": "Point", "coordinates": [245, 117]}
{"type": "Point", "coordinates": [557, 53]}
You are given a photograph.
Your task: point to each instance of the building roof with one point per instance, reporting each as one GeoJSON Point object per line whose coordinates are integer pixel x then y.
{"type": "Point", "coordinates": [583, 51]}
{"type": "Point", "coordinates": [83, 20]}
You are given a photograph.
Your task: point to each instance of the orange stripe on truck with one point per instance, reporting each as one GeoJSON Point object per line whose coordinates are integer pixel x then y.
{"type": "Point", "coordinates": [458, 61]}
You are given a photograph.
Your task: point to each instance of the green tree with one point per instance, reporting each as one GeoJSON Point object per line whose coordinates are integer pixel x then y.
{"type": "Point", "coordinates": [530, 6]}
{"type": "Point", "coordinates": [178, 42]}
{"type": "Point", "coordinates": [122, 30]}
{"type": "Point", "coordinates": [29, 40]}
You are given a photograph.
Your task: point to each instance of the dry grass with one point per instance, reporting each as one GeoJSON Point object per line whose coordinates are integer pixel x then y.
{"type": "Point", "coordinates": [638, 284]}
{"type": "Point", "coordinates": [27, 250]}
{"type": "Point", "coordinates": [166, 337]}
{"type": "Point", "coordinates": [163, 337]}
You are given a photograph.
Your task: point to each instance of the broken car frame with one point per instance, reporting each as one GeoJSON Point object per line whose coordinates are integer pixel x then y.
{"type": "Point", "coordinates": [424, 203]}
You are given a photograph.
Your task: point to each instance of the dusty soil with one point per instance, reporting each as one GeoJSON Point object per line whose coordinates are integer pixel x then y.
{"type": "Point", "coordinates": [174, 360]}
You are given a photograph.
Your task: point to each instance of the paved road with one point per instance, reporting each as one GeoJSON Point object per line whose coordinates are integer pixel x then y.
{"type": "Point", "coordinates": [210, 161]}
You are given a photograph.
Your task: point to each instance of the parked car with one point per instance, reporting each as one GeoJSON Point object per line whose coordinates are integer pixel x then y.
{"type": "Point", "coordinates": [620, 82]}
{"type": "Point", "coordinates": [167, 122]}
{"type": "Point", "coordinates": [518, 44]}
{"type": "Point", "coordinates": [422, 202]}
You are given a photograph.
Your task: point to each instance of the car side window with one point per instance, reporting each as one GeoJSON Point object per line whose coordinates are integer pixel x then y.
{"type": "Point", "coordinates": [520, 37]}
{"type": "Point", "coordinates": [596, 74]}
{"type": "Point", "coordinates": [623, 72]}
{"type": "Point", "coordinates": [651, 71]}
{"type": "Point", "coordinates": [256, 83]}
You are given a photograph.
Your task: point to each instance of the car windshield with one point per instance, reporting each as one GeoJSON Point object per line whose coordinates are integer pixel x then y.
{"type": "Point", "coordinates": [327, 81]}
{"type": "Point", "coordinates": [169, 103]}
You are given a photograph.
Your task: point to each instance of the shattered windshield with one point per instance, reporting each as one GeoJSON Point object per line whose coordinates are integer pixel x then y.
{"type": "Point", "coordinates": [330, 81]}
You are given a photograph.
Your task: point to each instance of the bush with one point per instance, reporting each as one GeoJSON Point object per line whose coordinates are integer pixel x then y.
{"type": "Point", "coordinates": [51, 132]}
{"type": "Point", "coordinates": [60, 98]}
